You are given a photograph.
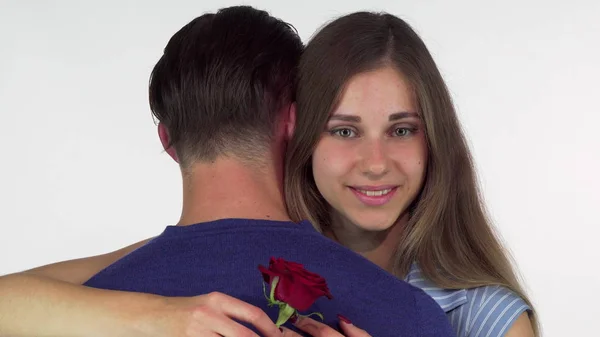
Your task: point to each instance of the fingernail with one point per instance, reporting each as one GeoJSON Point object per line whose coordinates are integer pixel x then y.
{"type": "Point", "coordinates": [344, 319]}
{"type": "Point", "coordinates": [294, 318]}
{"type": "Point", "coordinates": [280, 329]}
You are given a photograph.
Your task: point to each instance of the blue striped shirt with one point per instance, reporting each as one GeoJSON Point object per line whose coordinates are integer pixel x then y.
{"type": "Point", "coordinates": [477, 312]}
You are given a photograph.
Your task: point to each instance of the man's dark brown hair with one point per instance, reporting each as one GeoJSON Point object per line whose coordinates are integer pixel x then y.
{"type": "Point", "coordinates": [222, 81]}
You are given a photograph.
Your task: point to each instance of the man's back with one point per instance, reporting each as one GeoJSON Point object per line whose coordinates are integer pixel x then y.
{"type": "Point", "coordinates": [224, 256]}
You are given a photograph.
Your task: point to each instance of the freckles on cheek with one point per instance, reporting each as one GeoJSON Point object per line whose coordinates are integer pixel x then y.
{"type": "Point", "coordinates": [319, 162]}
{"type": "Point", "coordinates": [328, 164]}
{"type": "Point", "coordinates": [323, 152]}
{"type": "Point", "coordinates": [319, 157]}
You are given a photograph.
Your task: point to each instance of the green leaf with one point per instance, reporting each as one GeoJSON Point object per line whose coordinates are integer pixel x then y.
{"type": "Point", "coordinates": [265, 292]}
{"type": "Point", "coordinates": [285, 312]}
{"type": "Point", "coordinates": [273, 285]}
{"type": "Point", "coordinates": [316, 314]}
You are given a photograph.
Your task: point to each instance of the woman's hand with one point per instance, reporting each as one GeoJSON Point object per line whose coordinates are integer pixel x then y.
{"type": "Point", "coordinates": [318, 329]}
{"type": "Point", "coordinates": [213, 314]}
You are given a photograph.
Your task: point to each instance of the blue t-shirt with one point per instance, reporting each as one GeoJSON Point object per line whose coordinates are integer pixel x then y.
{"type": "Point", "coordinates": [224, 256]}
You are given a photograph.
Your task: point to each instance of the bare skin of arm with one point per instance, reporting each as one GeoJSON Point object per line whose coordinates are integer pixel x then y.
{"type": "Point", "coordinates": [78, 271]}
{"type": "Point", "coordinates": [32, 305]}
{"type": "Point", "coordinates": [30, 296]}
{"type": "Point", "coordinates": [521, 328]}
{"type": "Point", "coordinates": [51, 301]}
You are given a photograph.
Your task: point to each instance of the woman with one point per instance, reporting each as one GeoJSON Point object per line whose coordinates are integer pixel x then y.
{"type": "Point", "coordinates": [379, 163]}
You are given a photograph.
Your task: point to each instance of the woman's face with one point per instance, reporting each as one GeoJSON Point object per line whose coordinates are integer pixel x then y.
{"type": "Point", "coordinates": [370, 162]}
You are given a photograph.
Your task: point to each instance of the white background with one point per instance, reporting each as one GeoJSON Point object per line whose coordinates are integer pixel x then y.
{"type": "Point", "coordinates": [82, 171]}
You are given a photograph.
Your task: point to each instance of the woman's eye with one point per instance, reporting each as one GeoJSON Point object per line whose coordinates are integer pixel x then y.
{"type": "Point", "coordinates": [344, 132]}
{"type": "Point", "coordinates": [402, 132]}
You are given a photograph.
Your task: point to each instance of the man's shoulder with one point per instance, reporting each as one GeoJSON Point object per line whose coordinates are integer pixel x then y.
{"type": "Point", "coordinates": [362, 291]}
{"type": "Point", "coordinates": [432, 320]}
{"type": "Point", "coordinates": [200, 247]}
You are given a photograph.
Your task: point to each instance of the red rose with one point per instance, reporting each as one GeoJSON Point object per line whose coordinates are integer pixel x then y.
{"type": "Point", "coordinates": [297, 286]}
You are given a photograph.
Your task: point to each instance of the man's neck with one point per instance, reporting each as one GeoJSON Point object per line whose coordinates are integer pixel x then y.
{"type": "Point", "coordinates": [230, 188]}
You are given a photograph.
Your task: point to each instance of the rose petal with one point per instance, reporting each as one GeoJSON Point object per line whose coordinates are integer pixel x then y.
{"type": "Point", "coordinates": [297, 286]}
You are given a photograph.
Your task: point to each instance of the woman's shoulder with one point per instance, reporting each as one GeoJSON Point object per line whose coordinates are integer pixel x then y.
{"type": "Point", "coordinates": [482, 311]}
{"type": "Point", "coordinates": [489, 311]}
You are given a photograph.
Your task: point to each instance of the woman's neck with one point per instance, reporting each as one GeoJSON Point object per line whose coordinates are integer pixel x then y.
{"type": "Point", "coordinates": [378, 247]}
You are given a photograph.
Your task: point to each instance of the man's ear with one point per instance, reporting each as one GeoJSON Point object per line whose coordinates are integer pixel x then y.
{"type": "Point", "coordinates": [163, 134]}
{"type": "Point", "coordinates": [291, 121]}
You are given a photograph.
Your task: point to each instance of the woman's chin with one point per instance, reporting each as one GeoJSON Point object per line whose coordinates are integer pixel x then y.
{"type": "Point", "coordinates": [374, 224]}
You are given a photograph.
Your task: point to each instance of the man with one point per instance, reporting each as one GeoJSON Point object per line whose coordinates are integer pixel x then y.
{"type": "Point", "coordinates": [222, 93]}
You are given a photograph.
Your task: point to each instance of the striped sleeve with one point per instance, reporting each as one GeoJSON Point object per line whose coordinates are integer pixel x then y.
{"type": "Point", "coordinates": [491, 311]}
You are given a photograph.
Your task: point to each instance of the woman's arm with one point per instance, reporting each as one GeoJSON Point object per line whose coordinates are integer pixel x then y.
{"type": "Point", "coordinates": [78, 271]}
{"type": "Point", "coordinates": [32, 305]}
{"type": "Point", "coordinates": [44, 301]}
{"type": "Point", "coordinates": [521, 328]}
{"type": "Point", "coordinates": [495, 311]}
{"type": "Point", "coordinates": [50, 301]}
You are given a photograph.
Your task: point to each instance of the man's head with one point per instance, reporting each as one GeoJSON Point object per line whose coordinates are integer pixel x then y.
{"type": "Point", "coordinates": [223, 84]}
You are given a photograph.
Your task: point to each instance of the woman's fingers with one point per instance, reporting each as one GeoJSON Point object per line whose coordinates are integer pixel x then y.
{"type": "Point", "coordinates": [318, 329]}
{"type": "Point", "coordinates": [351, 330]}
